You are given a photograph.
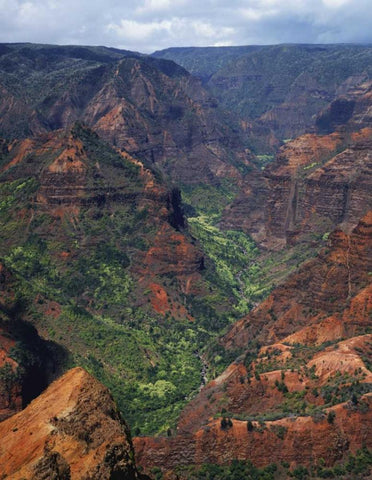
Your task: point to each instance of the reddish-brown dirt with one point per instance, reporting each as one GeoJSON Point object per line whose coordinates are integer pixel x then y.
{"type": "Point", "coordinates": [304, 440]}
{"type": "Point", "coordinates": [73, 430]}
{"type": "Point", "coordinates": [313, 344]}
{"type": "Point", "coordinates": [322, 287]}
{"type": "Point", "coordinates": [316, 183]}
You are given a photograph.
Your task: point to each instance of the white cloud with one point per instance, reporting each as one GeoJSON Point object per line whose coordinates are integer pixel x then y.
{"type": "Point", "coordinates": [174, 29]}
{"type": "Point", "coordinates": [255, 14]}
{"type": "Point", "coordinates": [133, 30]}
{"type": "Point", "coordinates": [335, 3]}
{"type": "Point", "coordinates": [146, 25]}
{"type": "Point", "coordinates": [158, 5]}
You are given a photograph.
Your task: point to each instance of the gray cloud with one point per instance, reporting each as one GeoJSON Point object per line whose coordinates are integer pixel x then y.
{"type": "Point", "coordinates": [148, 25]}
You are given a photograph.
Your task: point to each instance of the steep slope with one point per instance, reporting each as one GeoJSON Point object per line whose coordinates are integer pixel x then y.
{"type": "Point", "coordinates": [316, 183]}
{"type": "Point", "coordinates": [27, 362]}
{"type": "Point", "coordinates": [105, 266]}
{"type": "Point", "coordinates": [72, 431]}
{"type": "Point", "coordinates": [305, 394]}
{"type": "Point", "coordinates": [351, 109]}
{"type": "Point", "coordinates": [277, 91]}
{"type": "Point", "coordinates": [203, 62]}
{"type": "Point", "coordinates": [151, 108]}
{"type": "Point", "coordinates": [305, 440]}
{"type": "Point", "coordinates": [320, 288]}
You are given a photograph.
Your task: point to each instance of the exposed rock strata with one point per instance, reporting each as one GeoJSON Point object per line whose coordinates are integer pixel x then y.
{"type": "Point", "coordinates": [305, 441]}
{"type": "Point", "coordinates": [72, 431]}
{"type": "Point", "coordinates": [151, 108]}
{"type": "Point", "coordinates": [321, 287]}
{"type": "Point", "coordinates": [315, 184]}
{"type": "Point", "coordinates": [314, 332]}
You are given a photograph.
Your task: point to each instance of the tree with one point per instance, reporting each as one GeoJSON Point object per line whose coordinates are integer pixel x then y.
{"type": "Point", "coordinates": [250, 426]}
{"type": "Point", "coordinates": [331, 417]}
{"type": "Point", "coordinates": [226, 423]}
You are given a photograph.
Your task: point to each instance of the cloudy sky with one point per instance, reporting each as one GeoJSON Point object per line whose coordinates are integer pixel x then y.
{"type": "Point", "coordinates": [148, 25]}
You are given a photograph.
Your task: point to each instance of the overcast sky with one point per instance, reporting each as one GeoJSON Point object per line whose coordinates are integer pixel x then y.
{"type": "Point", "coordinates": [148, 25]}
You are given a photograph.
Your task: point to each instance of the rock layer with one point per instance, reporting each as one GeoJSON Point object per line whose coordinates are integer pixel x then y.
{"type": "Point", "coordinates": [72, 431]}
{"type": "Point", "coordinates": [305, 441]}
{"type": "Point", "coordinates": [320, 288]}
{"type": "Point", "coordinates": [316, 346]}
{"type": "Point", "coordinates": [151, 108]}
{"type": "Point", "coordinates": [315, 184]}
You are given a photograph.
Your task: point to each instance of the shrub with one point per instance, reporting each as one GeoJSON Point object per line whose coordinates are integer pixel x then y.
{"type": "Point", "coordinates": [331, 417]}
{"type": "Point", "coordinates": [226, 423]}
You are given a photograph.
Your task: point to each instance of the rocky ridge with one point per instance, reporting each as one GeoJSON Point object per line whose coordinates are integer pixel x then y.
{"type": "Point", "coordinates": [153, 109]}
{"type": "Point", "coordinates": [277, 91]}
{"type": "Point", "coordinates": [72, 431]}
{"type": "Point", "coordinates": [315, 184]}
{"type": "Point", "coordinates": [303, 374]}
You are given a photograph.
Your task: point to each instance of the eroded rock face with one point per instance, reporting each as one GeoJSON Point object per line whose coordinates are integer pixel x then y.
{"type": "Point", "coordinates": [321, 287]}
{"type": "Point", "coordinates": [10, 384]}
{"type": "Point", "coordinates": [278, 91]}
{"type": "Point", "coordinates": [305, 440]}
{"type": "Point", "coordinates": [313, 345]}
{"type": "Point", "coordinates": [72, 431]}
{"type": "Point", "coordinates": [315, 184]}
{"type": "Point", "coordinates": [28, 363]}
{"type": "Point", "coordinates": [74, 170]}
{"type": "Point", "coordinates": [151, 108]}
{"type": "Point", "coordinates": [351, 109]}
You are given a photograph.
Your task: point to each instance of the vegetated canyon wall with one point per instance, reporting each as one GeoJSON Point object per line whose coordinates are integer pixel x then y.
{"type": "Point", "coordinates": [316, 183]}
{"type": "Point", "coordinates": [71, 199]}
{"type": "Point", "coordinates": [301, 393]}
{"type": "Point", "coordinates": [277, 91]}
{"type": "Point", "coordinates": [152, 109]}
{"type": "Point", "coordinates": [27, 362]}
{"type": "Point", "coordinates": [75, 172]}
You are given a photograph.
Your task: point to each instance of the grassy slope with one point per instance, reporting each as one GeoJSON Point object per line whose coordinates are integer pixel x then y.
{"type": "Point", "coordinates": [75, 276]}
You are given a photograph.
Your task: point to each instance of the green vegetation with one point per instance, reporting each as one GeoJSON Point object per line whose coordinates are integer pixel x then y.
{"type": "Point", "coordinates": [263, 160]}
{"type": "Point", "coordinates": [355, 467]}
{"type": "Point", "coordinates": [9, 378]}
{"type": "Point", "coordinates": [233, 255]}
{"type": "Point", "coordinates": [208, 199]}
{"type": "Point", "coordinates": [148, 362]}
{"type": "Point", "coordinates": [81, 265]}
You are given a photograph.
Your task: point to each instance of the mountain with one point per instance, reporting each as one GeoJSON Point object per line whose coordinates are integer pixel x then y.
{"type": "Point", "coordinates": [151, 108]}
{"type": "Point", "coordinates": [300, 391]}
{"type": "Point", "coordinates": [223, 297]}
{"type": "Point", "coordinates": [72, 431]}
{"type": "Point", "coordinates": [276, 91]}
{"type": "Point", "coordinates": [315, 183]}
{"type": "Point", "coordinates": [102, 261]}
{"type": "Point", "coordinates": [203, 62]}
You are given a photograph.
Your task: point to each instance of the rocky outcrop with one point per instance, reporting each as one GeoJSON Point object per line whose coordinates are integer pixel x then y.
{"type": "Point", "coordinates": [351, 110]}
{"type": "Point", "coordinates": [28, 363]}
{"type": "Point", "coordinates": [152, 109]}
{"type": "Point", "coordinates": [315, 184]}
{"type": "Point", "coordinates": [304, 440]}
{"type": "Point", "coordinates": [279, 90]}
{"type": "Point", "coordinates": [302, 373]}
{"type": "Point", "coordinates": [320, 288]}
{"type": "Point", "coordinates": [72, 431]}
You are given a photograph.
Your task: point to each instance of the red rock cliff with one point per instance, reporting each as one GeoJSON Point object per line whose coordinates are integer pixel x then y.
{"type": "Point", "coordinates": [73, 430]}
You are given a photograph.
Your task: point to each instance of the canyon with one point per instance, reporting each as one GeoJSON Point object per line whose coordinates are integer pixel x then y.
{"type": "Point", "coordinates": [194, 238]}
{"type": "Point", "coordinates": [301, 362]}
